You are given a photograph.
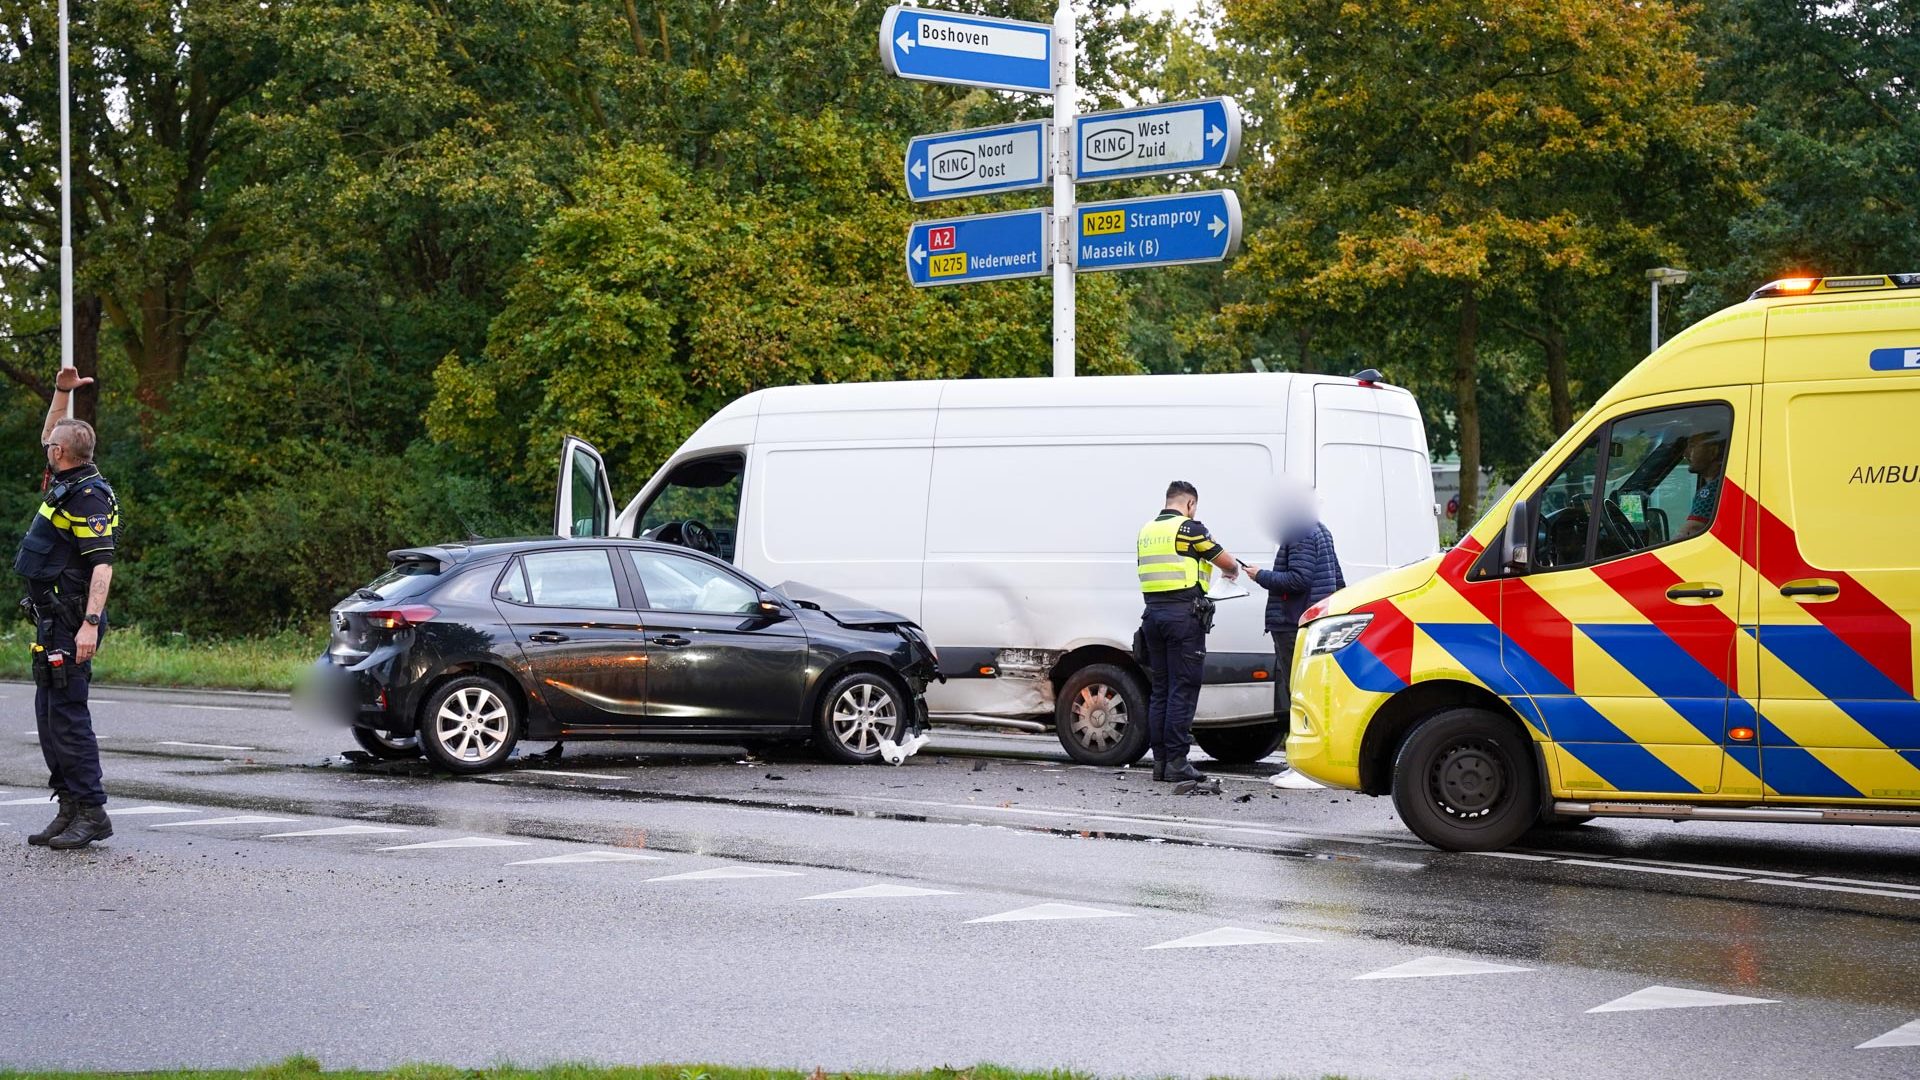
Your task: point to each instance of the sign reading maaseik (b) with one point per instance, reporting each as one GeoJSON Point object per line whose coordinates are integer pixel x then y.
{"type": "Point", "coordinates": [968, 50]}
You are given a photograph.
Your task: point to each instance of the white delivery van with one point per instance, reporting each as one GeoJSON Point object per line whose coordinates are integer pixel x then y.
{"type": "Point", "coordinates": [1001, 516]}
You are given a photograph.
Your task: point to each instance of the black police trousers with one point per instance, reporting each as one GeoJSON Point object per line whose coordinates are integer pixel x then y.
{"type": "Point", "coordinates": [1176, 644]}
{"type": "Point", "coordinates": [66, 727]}
{"type": "Point", "coordinates": [1283, 672]}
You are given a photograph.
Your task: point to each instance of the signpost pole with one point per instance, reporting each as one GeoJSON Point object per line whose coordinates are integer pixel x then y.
{"type": "Point", "coordinates": [1065, 221]}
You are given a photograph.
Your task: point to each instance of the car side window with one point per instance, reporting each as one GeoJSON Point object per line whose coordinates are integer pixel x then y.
{"type": "Point", "coordinates": [1563, 505]}
{"type": "Point", "coordinates": [1663, 477]}
{"type": "Point", "coordinates": [681, 583]}
{"type": "Point", "coordinates": [513, 585]}
{"type": "Point", "coordinates": [570, 578]}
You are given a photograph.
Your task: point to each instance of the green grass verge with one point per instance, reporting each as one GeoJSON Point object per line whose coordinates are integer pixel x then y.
{"type": "Point", "coordinates": [135, 656]}
{"type": "Point", "coordinates": [304, 1068]}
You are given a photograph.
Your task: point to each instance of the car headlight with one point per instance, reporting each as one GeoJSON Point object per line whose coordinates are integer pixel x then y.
{"type": "Point", "coordinates": [1332, 635]}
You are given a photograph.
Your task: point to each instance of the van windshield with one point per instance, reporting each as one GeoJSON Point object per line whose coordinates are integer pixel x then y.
{"type": "Point", "coordinates": [707, 491]}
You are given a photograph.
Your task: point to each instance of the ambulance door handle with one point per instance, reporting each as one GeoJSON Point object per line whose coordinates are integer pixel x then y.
{"type": "Point", "coordinates": [1696, 592]}
{"type": "Point", "coordinates": [1812, 588]}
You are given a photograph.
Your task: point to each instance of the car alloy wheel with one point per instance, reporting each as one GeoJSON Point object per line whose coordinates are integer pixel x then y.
{"type": "Point", "coordinates": [1100, 717]}
{"type": "Point", "coordinates": [863, 715]}
{"type": "Point", "coordinates": [472, 724]}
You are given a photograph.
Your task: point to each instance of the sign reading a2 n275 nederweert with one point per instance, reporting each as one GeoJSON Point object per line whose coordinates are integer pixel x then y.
{"type": "Point", "coordinates": [1162, 230]}
{"type": "Point", "coordinates": [969, 50]}
{"type": "Point", "coordinates": [986, 247]}
{"type": "Point", "coordinates": [1009, 158]}
{"type": "Point", "coordinates": [1183, 137]}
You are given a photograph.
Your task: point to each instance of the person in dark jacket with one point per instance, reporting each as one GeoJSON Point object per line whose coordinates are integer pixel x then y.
{"type": "Point", "coordinates": [1306, 570]}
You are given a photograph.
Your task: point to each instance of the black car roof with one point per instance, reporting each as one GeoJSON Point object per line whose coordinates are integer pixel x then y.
{"type": "Point", "coordinates": [452, 554]}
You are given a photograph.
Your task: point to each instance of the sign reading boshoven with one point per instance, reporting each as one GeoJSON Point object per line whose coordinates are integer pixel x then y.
{"type": "Point", "coordinates": [1162, 230]}
{"type": "Point", "coordinates": [986, 247]}
{"type": "Point", "coordinates": [968, 50]}
{"type": "Point", "coordinates": [1009, 158]}
{"type": "Point", "coordinates": [1192, 135]}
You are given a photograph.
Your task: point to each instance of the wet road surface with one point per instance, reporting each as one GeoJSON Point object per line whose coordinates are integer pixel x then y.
{"type": "Point", "coordinates": [631, 902]}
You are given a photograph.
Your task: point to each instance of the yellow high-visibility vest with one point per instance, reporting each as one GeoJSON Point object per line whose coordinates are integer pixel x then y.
{"type": "Point", "coordinates": [1162, 567]}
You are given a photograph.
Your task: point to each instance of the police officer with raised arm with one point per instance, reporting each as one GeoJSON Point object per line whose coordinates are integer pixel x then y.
{"type": "Point", "coordinates": [1176, 560]}
{"type": "Point", "coordinates": [67, 561]}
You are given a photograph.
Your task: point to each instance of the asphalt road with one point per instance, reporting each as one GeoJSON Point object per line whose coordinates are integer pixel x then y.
{"type": "Point", "coordinates": [264, 897]}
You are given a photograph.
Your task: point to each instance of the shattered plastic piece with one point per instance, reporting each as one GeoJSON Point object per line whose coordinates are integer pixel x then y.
{"type": "Point", "coordinates": [897, 753]}
{"type": "Point", "coordinates": [1209, 786]}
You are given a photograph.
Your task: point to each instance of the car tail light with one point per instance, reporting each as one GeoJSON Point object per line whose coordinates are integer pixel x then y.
{"type": "Point", "coordinates": [402, 617]}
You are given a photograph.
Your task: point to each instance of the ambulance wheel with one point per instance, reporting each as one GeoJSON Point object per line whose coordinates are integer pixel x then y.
{"type": "Point", "coordinates": [1101, 716]}
{"type": "Point", "coordinates": [1465, 780]}
{"type": "Point", "coordinates": [1240, 745]}
{"type": "Point", "coordinates": [387, 747]}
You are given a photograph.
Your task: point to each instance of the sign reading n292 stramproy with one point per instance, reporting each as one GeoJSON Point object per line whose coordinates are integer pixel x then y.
{"type": "Point", "coordinates": [1162, 230]}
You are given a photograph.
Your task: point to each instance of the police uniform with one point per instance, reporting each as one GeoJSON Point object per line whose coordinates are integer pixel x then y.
{"type": "Point", "coordinates": [72, 534]}
{"type": "Point", "coordinates": [1176, 570]}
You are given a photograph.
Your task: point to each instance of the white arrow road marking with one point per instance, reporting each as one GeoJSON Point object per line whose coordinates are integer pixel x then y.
{"type": "Point", "coordinates": [1217, 227]}
{"type": "Point", "coordinates": [240, 819]}
{"type": "Point", "coordinates": [905, 41]}
{"type": "Point", "coordinates": [728, 873]}
{"type": "Point", "coordinates": [341, 830]}
{"type": "Point", "coordinates": [919, 254]}
{"type": "Point", "coordinates": [1214, 135]}
{"type": "Point", "coordinates": [919, 168]}
{"type": "Point", "coordinates": [587, 857]}
{"type": "Point", "coordinates": [1907, 1034]}
{"type": "Point", "coordinates": [878, 892]}
{"type": "Point", "coordinates": [137, 811]}
{"type": "Point", "coordinates": [1675, 997]}
{"type": "Point", "coordinates": [1233, 935]}
{"type": "Point", "coordinates": [1432, 966]}
{"type": "Point", "coordinates": [1052, 911]}
{"type": "Point", "coordinates": [460, 842]}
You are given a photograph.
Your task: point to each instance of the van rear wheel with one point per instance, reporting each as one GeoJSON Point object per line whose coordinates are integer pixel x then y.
{"type": "Point", "coordinates": [1465, 780]}
{"type": "Point", "coordinates": [1240, 745]}
{"type": "Point", "coordinates": [1101, 716]}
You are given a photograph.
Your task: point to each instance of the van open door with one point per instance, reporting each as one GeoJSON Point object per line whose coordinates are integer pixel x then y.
{"type": "Point", "coordinates": [582, 498]}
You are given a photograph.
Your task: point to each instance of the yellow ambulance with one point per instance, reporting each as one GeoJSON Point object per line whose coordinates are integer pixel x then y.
{"type": "Point", "coordinates": [1699, 604]}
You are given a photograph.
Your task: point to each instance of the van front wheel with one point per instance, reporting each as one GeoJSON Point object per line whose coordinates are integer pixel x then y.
{"type": "Point", "coordinates": [1101, 716]}
{"type": "Point", "coordinates": [1465, 780]}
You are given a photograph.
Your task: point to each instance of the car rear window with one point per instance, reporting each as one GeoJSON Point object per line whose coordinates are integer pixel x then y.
{"type": "Point", "coordinates": [406, 579]}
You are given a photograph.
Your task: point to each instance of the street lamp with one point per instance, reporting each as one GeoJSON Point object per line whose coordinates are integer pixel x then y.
{"type": "Point", "coordinates": [1658, 276]}
{"type": "Point", "coordinates": [66, 212]}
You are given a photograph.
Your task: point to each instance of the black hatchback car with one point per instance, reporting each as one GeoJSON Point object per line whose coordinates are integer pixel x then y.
{"type": "Point", "coordinates": [460, 651]}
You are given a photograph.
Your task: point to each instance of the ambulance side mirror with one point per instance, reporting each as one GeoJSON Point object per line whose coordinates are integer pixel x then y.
{"type": "Point", "coordinates": [1516, 541]}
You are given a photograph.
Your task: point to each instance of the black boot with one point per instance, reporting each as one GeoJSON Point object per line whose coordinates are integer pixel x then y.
{"type": "Point", "coordinates": [1159, 767]}
{"type": "Point", "coordinates": [61, 819]}
{"type": "Point", "coordinates": [1180, 769]}
{"type": "Point", "coordinates": [90, 824]}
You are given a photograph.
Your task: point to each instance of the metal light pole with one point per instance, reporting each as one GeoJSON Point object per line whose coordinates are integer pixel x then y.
{"type": "Point", "coordinates": [1064, 220]}
{"type": "Point", "coordinates": [66, 211]}
{"type": "Point", "coordinates": [1662, 275]}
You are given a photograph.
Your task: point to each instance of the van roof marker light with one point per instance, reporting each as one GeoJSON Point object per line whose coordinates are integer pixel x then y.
{"type": "Point", "coordinates": [1877, 281]}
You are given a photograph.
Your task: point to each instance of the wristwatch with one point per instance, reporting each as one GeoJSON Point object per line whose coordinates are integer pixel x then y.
{"type": "Point", "coordinates": [93, 619]}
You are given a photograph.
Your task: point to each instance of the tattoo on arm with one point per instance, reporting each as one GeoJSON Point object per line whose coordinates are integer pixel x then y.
{"type": "Point", "coordinates": [97, 588]}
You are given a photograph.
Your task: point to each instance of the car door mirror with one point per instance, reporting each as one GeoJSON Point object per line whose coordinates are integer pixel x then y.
{"type": "Point", "coordinates": [772, 607]}
{"type": "Point", "coordinates": [1517, 541]}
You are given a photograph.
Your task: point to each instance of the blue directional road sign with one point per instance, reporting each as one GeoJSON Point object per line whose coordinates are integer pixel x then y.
{"type": "Point", "coordinates": [1164, 230]}
{"type": "Point", "coordinates": [987, 247]}
{"type": "Point", "coordinates": [970, 50]}
{"type": "Point", "coordinates": [1182, 137]}
{"type": "Point", "coordinates": [1009, 158]}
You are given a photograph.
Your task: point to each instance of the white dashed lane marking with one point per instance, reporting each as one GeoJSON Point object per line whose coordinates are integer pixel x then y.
{"type": "Point", "coordinates": [588, 857]}
{"type": "Point", "coordinates": [1233, 935]}
{"type": "Point", "coordinates": [1428, 967]}
{"type": "Point", "coordinates": [340, 830]}
{"type": "Point", "coordinates": [204, 745]}
{"type": "Point", "coordinates": [139, 811]}
{"type": "Point", "coordinates": [1675, 997]}
{"type": "Point", "coordinates": [1052, 912]}
{"type": "Point", "coordinates": [459, 842]}
{"type": "Point", "coordinates": [574, 775]}
{"type": "Point", "coordinates": [880, 892]}
{"type": "Point", "coordinates": [28, 801]}
{"type": "Point", "coordinates": [1841, 888]}
{"type": "Point", "coordinates": [729, 873]}
{"type": "Point", "coordinates": [1672, 871]}
{"type": "Point", "coordinates": [239, 819]}
{"type": "Point", "coordinates": [1907, 1034]}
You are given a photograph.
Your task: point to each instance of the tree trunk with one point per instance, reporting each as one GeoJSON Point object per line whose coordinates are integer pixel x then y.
{"type": "Point", "coordinates": [86, 355]}
{"type": "Point", "coordinates": [1466, 391]}
{"type": "Point", "coordinates": [1305, 361]}
{"type": "Point", "coordinates": [160, 353]}
{"type": "Point", "coordinates": [1559, 399]}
